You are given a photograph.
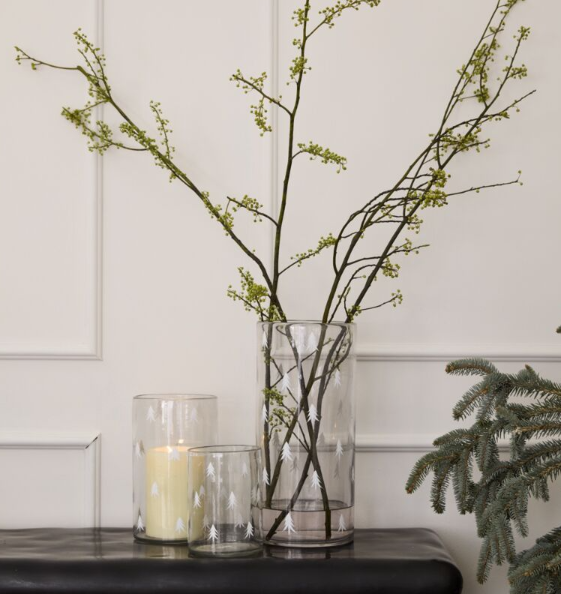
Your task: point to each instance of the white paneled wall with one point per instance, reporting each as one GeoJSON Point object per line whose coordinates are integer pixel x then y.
{"type": "Point", "coordinates": [50, 228]}
{"type": "Point", "coordinates": [85, 324]}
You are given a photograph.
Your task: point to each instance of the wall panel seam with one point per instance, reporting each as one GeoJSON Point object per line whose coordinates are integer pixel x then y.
{"type": "Point", "coordinates": [521, 353]}
{"type": "Point", "coordinates": [383, 443]}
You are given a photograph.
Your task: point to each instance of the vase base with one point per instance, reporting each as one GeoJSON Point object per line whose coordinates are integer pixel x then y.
{"type": "Point", "coordinates": [227, 550]}
{"type": "Point", "coordinates": [325, 544]}
{"type": "Point", "coordinates": [305, 526]}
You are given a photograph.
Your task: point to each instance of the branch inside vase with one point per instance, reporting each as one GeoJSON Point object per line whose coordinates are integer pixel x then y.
{"type": "Point", "coordinates": [334, 351]}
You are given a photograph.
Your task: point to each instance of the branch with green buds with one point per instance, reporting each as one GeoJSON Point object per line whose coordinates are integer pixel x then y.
{"type": "Point", "coordinates": [388, 216]}
{"type": "Point", "coordinates": [422, 186]}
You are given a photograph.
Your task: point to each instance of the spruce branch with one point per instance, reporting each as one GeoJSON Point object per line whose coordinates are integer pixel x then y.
{"type": "Point", "coordinates": [518, 406]}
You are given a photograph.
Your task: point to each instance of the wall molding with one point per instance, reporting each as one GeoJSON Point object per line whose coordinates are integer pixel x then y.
{"type": "Point", "coordinates": [384, 443]}
{"type": "Point", "coordinates": [519, 353]}
{"type": "Point", "coordinates": [91, 348]}
{"type": "Point", "coordinates": [87, 442]}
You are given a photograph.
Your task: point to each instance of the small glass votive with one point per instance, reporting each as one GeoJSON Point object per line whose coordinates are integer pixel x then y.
{"type": "Point", "coordinates": [165, 426]}
{"type": "Point", "coordinates": [225, 498]}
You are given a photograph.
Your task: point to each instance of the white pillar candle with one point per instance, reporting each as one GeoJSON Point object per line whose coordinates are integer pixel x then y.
{"type": "Point", "coordinates": [167, 504]}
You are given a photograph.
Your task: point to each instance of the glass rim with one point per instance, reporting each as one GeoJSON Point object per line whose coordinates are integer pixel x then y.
{"type": "Point", "coordinates": [223, 449]}
{"type": "Point", "coordinates": [175, 396]}
{"type": "Point", "coordinates": [310, 322]}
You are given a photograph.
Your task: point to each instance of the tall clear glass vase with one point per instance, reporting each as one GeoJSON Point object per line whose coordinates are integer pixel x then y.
{"type": "Point", "coordinates": [306, 429]}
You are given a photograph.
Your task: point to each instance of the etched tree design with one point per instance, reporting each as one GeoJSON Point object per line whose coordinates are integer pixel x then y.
{"type": "Point", "coordinates": [339, 449]}
{"type": "Point", "coordinates": [232, 501]}
{"type": "Point", "coordinates": [180, 525]}
{"type": "Point", "coordinates": [213, 534]}
{"type": "Point", "coordinates": [239, 521]}
{"type": "Point", "coordinates": [289, 523]}
{"type": "Point", "coordinates": [286, 452]}
{"type": "Point", "coordinates": [249, 530]}
{"type": "Point", "coordinates": [151, 415]}
{"type": "Point", "coordinates": [316, 482]}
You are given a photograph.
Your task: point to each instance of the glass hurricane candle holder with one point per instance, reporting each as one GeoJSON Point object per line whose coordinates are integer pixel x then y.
{"type": "Point", "coordinates": [225, 498]}
{"type": "Point", "coordinates": [165, 426]}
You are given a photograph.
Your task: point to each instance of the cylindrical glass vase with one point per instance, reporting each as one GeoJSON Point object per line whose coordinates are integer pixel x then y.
{"type": "Point", "coordinates": [225, 518]}
{"type": "Point", "coordinates": [306, 428]}
{"type": "Point", "coordinates": [165, 426]}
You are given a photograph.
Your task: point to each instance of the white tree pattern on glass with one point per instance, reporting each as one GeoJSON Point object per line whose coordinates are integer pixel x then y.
{"type": "Point", "coordinates": [264, 414]}
{"type": "Point", "coordinates": [312, 343]}
{"type": "Point", "coordinates": [276, 441]}
{"type": "Point", "coordinates": [285, 384]}
{"type": "Point", "coordinates": [289, 523]}
{"type": "Point", "coordinates": [245, 470]}
{"type": "Point", "coordinates": [232, 501]}
{"type": "Point", "coordinates": [286, 453]}
{"type": "Point", "coordinates": [180, 525]}
{"type": "Point", "coordinates": [294, 465]}
{"type": "Point", "coordinates": [239, 521]}
{"type": "Point", "coordinates": [255, 495]}
{"type": "Point", "coordinates": [313, 414]}
{"type": "Point", "coordinates": [249, 530]}
{"type": "Point", "coordinates": [139, 449]}
{"type": "Point", "coordinates": [155, 491]}
{"type": "Point", "coordinates": [342, 526]}
{"type": "Point", "coordinates": [337, 378]}
{"type": "Point", "coordinates": [205, 521]}
{"type": "Point", "coordinates": [197, 501]}
{"type": "Point", "coordinates": [150, 415]}
{"type": "Point", "coordinates": [194, 418]}
{"type": "Point", "coordinates": [339, 449]}
{"type": "Point", "coordinates": [265, 476]}
{"type": "Point", "coordinates": [210, 470]}
{"type": "Point", "coordinates": [202, 491]}
{"type": "Point", "coordinates": [213, 534]}
{"type": "Point", "coordinates": [165, 411]}
{"type": "Point", "coordinates": [299, 341]}
{"type": "Point", "coordinates": [139, 523]}
{"type": "Point", "coordinates": [174, 454]}
{"type": "Point", "coordinates": [316, 483]}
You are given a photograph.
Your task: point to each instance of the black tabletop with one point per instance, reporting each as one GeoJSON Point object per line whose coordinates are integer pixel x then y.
{"type": "Point", "coordinates": [108, 560]}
